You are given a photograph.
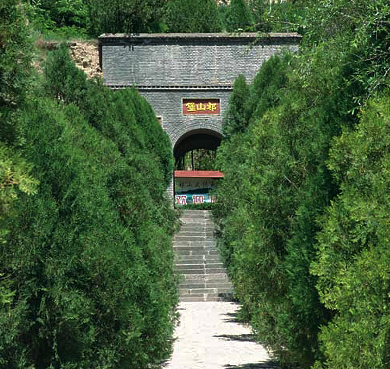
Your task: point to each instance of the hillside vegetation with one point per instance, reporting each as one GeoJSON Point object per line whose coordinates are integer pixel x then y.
{"type": "Point", "coordinates": [304, 206]}
{"type": "Point", "coordinates": [90, 18]}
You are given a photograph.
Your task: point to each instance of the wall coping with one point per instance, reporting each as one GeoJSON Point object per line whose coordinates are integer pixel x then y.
{"type": "Point", "coordinates": [107, 37]}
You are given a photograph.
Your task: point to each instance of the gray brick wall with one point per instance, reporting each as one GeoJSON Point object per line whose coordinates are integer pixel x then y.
{"type": "Point", "coordinates": [168, 105]}
{"type": "Point", "coordinates": [216, 60]}
{"type": "Point", "coordinates": [169, 67]}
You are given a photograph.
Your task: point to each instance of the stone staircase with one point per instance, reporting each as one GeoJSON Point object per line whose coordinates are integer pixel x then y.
{"type": "Point", "coordinates": [203, 277]}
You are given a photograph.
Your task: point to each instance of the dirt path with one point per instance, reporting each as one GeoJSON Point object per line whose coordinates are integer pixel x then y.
{"type": "Point", "coordinates": [209, 337]}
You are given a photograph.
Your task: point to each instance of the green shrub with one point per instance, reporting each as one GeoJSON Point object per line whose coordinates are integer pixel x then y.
{"type": "Point", "coordinates": [238, 112]}
{"type": "Point", "coordinates": [198, 16]}
{"type": "Point", "coordinates": [275, 185]}
{"type": "Point", "coordinates": [125, 16]}
{"type": "Point", "coordinates": [88, 264]}
{"type": "Point", "coordinates": [353, 252]}
{"type": "Point", "coordinates": [238, 17]}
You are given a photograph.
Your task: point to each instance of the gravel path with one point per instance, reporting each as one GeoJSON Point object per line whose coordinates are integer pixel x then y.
{"type": "Point", "coordinates": [209, 337]}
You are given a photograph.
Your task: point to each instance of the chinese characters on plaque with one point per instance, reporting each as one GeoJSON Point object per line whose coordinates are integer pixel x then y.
{"type": "Point", "coordinates": [201, 106]}
{"type": "Point", "coordinates": [194, 190]}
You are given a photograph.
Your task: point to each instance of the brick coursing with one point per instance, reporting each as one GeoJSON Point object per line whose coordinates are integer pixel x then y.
{"type": "Point", "coordinates": [169, 67]}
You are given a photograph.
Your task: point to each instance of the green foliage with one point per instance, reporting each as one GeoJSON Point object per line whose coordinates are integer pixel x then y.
{"type": "Point", "coordinates": [62, 18]}
{"type": "Point", "coordinates": [239, 18]}
{"type": "Point", "coordinates": [86, 278]}
{"type": "Point", "coordinates": [268, 85]}
{"type": "Point", "coordinates": [204, 206]}
{"type": "Point", "coordinates": [353, 254]}
{"type": "Point", "coordinates": [326, 304]}
{"type": "Point", "coordinates": [238, 113]}
{"type": "Point", "coordinates": [15, 67]}
{"type": "Point", "coordinates": [363, 29]}
{"type": "Point", "coordinates": [125, 16]}
{"type": "Point", "coordinates": [265, 16]}
{"type": "Point", "coordinates": [197, 16]}
{"type": "Point", "coordinates": [15, 173]}
{"type": "Point", "coordinates": [198, 159]}
{"type": "Point", "coordinates": [284, 16]}
{"type": "Point", "coordinates": [258, 10]}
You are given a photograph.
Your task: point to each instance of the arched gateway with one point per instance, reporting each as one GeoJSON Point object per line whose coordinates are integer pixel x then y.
{"type": "Point", "coordinates": [187, 78]}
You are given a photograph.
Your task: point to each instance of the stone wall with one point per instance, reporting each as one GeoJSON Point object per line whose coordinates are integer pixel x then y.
{"type": "Point", "coordinates": [167, 68]}
{"type": "Point", "coordinates": [187, 59]}
{"type": "Point", "coordinates": [167, 104]}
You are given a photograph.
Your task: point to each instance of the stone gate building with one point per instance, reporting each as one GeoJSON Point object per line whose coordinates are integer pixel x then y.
{"type": "Point", "coordinates": [187, 78]}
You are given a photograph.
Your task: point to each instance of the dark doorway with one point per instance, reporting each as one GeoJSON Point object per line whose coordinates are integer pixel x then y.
{"type": "Point", "coordinates": [196, 150]}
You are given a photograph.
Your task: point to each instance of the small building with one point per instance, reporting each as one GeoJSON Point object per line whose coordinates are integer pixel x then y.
{"type": "Point", "coordinates": [195, 186]}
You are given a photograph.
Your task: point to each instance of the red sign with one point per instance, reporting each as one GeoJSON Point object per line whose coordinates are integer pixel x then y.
{"type": "Point", "coordinates": [201, 106]}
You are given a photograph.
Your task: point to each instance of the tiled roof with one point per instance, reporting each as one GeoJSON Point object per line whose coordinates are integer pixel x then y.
{"type": "Point", "coordinates": [198, 174]}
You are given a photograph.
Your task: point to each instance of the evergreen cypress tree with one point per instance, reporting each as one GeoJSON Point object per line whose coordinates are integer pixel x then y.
{"type": "Point", "coordinates": [197, 16]}
{"type": "Point", "coordinates": [88, 261]}
{"type": "Point", "coordinates": [238, 114]}
{"type": "Point", "coordinates": [15, 78]}
{"type": "Point", "coordinates": [15, 67]}
{"type": "Point", "coordinates": [239, 16]}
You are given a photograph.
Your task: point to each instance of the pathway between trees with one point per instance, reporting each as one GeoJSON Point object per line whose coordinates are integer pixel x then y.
{"type": "Point", "coordinates": [208, 335]}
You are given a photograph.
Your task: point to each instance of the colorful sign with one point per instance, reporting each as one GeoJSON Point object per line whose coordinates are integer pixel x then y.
{"type": "Point", "coordinates": [194, 199]}
{"type": "Point", "coordinates": [201, 106]}
{"type": "Point", "coordinates": [195, 187]}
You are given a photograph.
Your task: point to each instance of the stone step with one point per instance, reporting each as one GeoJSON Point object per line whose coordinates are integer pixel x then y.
{"type": "Point", "coordinates": [214, 270]}
{"type": "Point", "coordinates": [197, 222]}
{"type": "Point", "coordinates": [191, 233]}
{"type": "Point", "coordinates": [197, 218]}
{"type": "Point", "coordinates": [222, 279]}
{"type": "Point", "coordinates": [201, 223]}
{"type": "Point", "coordinates": [188, 250]}
{"type": "Point", "coordinates": [196, 238]}
{"type": "Point", "coordinates": [207, 278]}
{"type": "Point", "coordinates": [190, 262]}
{"type": "Point", "coordinates": [204, 258]}
{"type": "Point", "coordinates": [214, 265]}
{"type": "Point", "coordinates": [181, 267]}
{"type": "Point", "coordinates": [195, 247]}
{"type": "Point", "coordinates": [207, 298]}
{"type": "Point", "coordinates": [196, 264]}
{"type": "Point", "coordinates": [182, 252]}
{"type": "Point", "coordinates": [194, 243]}
{"type": "Point", "coordinates": [200, 298]}
{"type": "Point", "coordinates": [196, 291]}
{"type": "Point", "coordinates": [192, 285]}
{"type": "Point", "coordinates": [199, 286]}
{"type": "Point", "coordinates": [219, 286]}
{"type": "Point", "coordinates": [196, 232]}
{"type": "Point", "coordinates": [197, 226]}
{"type": "Point", "coordinates": [193, 271]}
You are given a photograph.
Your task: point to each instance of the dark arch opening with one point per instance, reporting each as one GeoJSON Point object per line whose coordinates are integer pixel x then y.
{"type": "Point", "coordinates": [194, 140]}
